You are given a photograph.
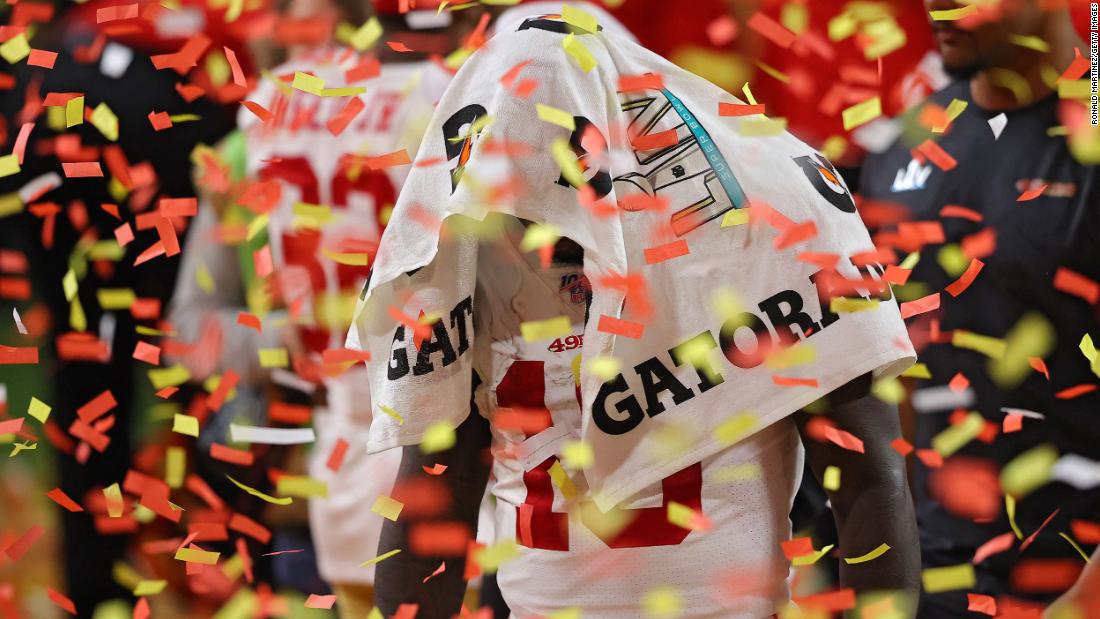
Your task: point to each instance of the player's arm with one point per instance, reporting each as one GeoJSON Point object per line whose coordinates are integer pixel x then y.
{"type": "Point", "coordinates": [1083, 600]}
{"type": "Point", "coordinates": [872, 506]}
{"type": "Point", "coordinates": [400, 578]}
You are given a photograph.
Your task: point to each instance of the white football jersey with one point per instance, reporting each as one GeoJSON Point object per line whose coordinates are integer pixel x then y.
{"type": "Point", "coordinates": [330, 212]}
{"type": "Point", "coordinates": [606, 564]}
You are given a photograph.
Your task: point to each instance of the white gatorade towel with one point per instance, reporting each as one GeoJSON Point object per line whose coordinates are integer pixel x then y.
{"type": "Point", "coordinates": [733, 281]}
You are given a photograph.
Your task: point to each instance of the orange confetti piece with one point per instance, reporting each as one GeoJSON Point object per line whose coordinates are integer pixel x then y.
{"type": "Point", "coordinates": [19, 547]}
{"type": "Point", "coordinates": [324, 602]}
{"type": "Point", "coordinates": [96, 407]}
{"type": "Point", "coordinates": [42, 58]}
{"type": "Point", "coordinates": [232, 456]}
{"type": "Point", "coordinates": [930, 458]}
{"type": "Point", "coordinates": [1032, 193]}
{"type": "Point", "coordinates": [995, 545]}
{"type": "Point", "coordinates": [739, 109]}
{"type": "Point", "coordinates": [1039, 366]}
{"type": "Point", "coordinates": [937, 155]}
{"type": "Point", "coordinates": [260, 111]}
{"type": "Point", "coordinates": [235, 68]}
{"type": "Point", "coordinates": [795, 234]}
{"type": "Point", "coordinates": [336, 456]}
{"type": "Point", "coordinates": [18, 355]}
{"type": "Point", "coordinates": [771, 30]}
{"type": "Point", "coordinates": [61, 601]}
{"type": "Point", "coordinates": [250, 320]}
{"type": "Point", "coordinates": [1076, 69]}
{"type": "Point", "coordinates": [144, 351]}
{"type": "Point", "coordinates": [952, 210]}
{"type": "Point", "coordinates": [668, 251]}
{"type": "Point", "coordinates": [797, 547]}
{"type": "Point", "coordinates": [920, 306]}
{"type": "Point", "coordinates": [843, 439]}
{"type": "Point", "coordinates": [831, 601]}
{"type": "Point", "coordinates": [1076, 391]}
{"type": "Point", "coordinates": [1013, 422]}
{"type": "Point", "coordinates": [1076, 284]}
{"type": "Point", "coordinates": [902, 446]}
{"type": "Point", "coordinates": [57, 495]}
{"type": "Point", "coordinates": [436, 469]}
{"type": "Point", "coordinates": [661, 139]}
{"type": "Point", "coordinates": [978, 603]}
{"type": "Point", "coordinates": [958, 286]}
{"type": "Point", "coordinates": [343, 118]}
{"type": "Point", "coordinates": [651, 81]}
{"type": "Point", "coordinates": [958, 383]}
{"type": "Point", "coordinates": [82, 169]}
{"type": "Point", "coordinates": [618, 326]}
{"type": "Point", "coordinates": [786, 381]}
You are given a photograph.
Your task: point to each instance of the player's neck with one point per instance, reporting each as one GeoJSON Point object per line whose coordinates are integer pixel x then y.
{"type": "Point", "coordinates": [1020, 82]}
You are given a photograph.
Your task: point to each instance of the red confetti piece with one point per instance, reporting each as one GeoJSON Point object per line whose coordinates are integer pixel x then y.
{"type": "Point", "coordinates": [958, 383]}
{"type": "Point", "coordinates": [1013, 422]}
{"type": "Point", "coordinates": [61, 601]}
{"type": "Point", "coordinates": [439, 570]}
{"type": "Point", "coordinates": [771, 30]}
{"type": "Point", "coordinates": [1076, 69]}
{"type": "Point", "coordinates": [722, 31]}
{"type": "Point", "coordinates": [831, 601]}
{"type": "Point", "coordinates": [787, 381]}
{"type": "Point", "coordinates": [1039, 366]}
{"type": "Point", "coordinates": [668, 251]}
{"type": "Point", "coordinates": [57, 495]}
{"type": "Point", "coordinates": [259, 110]}
{"type": "Point", "coordinates": [1076, 284]}
{"type": "Point", "coordinates": [994, 546]}
{"type": "Point", "coordinates": [141, 609]}
{"type": "Point", "coordinates": [291, 414]}
{"type": "Point", "coordinates": [235, 68]}
{"type": "Point", "coordinates": [247, 526]}
{"type": "Point", "coordinates": [795, 234]}
{"type": "Point", "coordinates": [167, 392]}
{"type": "Point", "coordinates": [82, 169]}
{"type": "Point", "coordinates": [189, 92]}
{"type": "Point", "coordinates": [920, 306]}
{"type": "Point", "coordinates": [261, 260]}
{"type": "Point", "coordinates": [649, 81]}
{"type": "Point", "coordinates": [902, 446]}
{"type": "Point", "coordinates": [930, 458]}
{"type": "Point", "coordinates": [336, 456]}
{"type": "Point", "coordinates": [797, 547]}
{"type": "Point", "coordinates": [160, 121]}
{"type": "Point", "coordinates": [509, 78]}
{"type": "Point", "coordinates": [320, 601]}
{"type": "Point", "coordinates": [368, 68]}
{"type": "Point", "coordinates": [1032, 193]}
{"type": "Point", "coordinates": [987, 605]}
{"type": "Point", "coordinates": [1086, 532]}
{"type": "Point", "coordinates": [436, 469]}
{"type": "Point", "coordinates": [952, 210]}
{"type": "Point", "coordinates": [239, 457]}
{"type": "Point", "coordinates": [843, 439]}
{"type": "Point", "coordinates": [185, 59]}
{"type": "Point", "coordinates": [42, 58]}
{"type": "Point", "coordinates": [96, 407]}
{"type": "Point", "coordinates": [20, 146]}
{"type": "Point", "coordinates": [441, 539]}
{"type": "Point", "coordinates": [343, 118]}
{"type": "Point", "coordinates": [398, 46]}
{"type": "Point", "coordinates": [19, 547]}
{"type": "Point", "coordinates": [1073, 392]}
{"type": "Point", "coordinates": [661, 139]}
{"type": "Point", "coordinates": [958, 286]}
{"type": "Point", "coordinates": [937, 155]}
{"type": "Point", "coordinates": [10, 355]}
{"type": "Point", "coordinates": [1031, 538]}
{"type": "Point", "coordinates": [619, 326]}
{"type": "Point", "coordinates": [144, 351]}
{"type": "Point", "coordinates": [250, 320]}
{"type": "Point", "coordinates": [114, 13]}
{"type": "Point", "coordinates": [739, 109]}
{"type": "Point", "coordinates": [896, 275]}
{"type": "Point", "coordinates": [228, 381]}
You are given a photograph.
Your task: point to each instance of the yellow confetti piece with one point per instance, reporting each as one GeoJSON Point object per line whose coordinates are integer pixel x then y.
{"type": "Point", "coordinates": [183, 118]}
{"type": "Point", "coordinates": [578, 52]}
{"type": "Point", "coordinates": [11, 203]}
{"type": "Point", "coordinates": [889, 390]}
{"type": "Point", "coordinates": [175, 466]}
{"type": "Point", "coordinates": [577, 455]}
{"type": "Point", "coordinates": [918, 370]}
{"type": "Point", "coordinates": [735, 428]}
{"type": "Point", "coordinates": [1089, 350]}
{"type": "Point", "coordinates": [256, 226]}
{"type": "Point", "coordinates": [150, 587]}
{"type": "Point", "coordinates": [735, 217]}
{"type": "Point", "coordinates": [1013, 81]}
{"type": "Point", "coordinates": [874, 554]}
{"type": "Point", "coordinates": [795, 17]}
{"type": "Point", "coordinates": [538, 330]}
{"type": "Point", "coordinates": [566, 613]}
{"type": "Point", "coordinates": [772, 71]}
{"type": "Point", "coordinates": [77, 320]}
{"type": "Point", "coordinates": [74, 112]}
{"type": "Point", "coordinates": [683, 516]}
{"type": "Point", "coordinates": [811, 558]}
{"type": "Point", "coordinates": [761, 127]}
{"type": "Point", "coordinates": [561, 481]}
{"type": "Point", "coordinates": [193, 555]}
{"type": "Point", "coordinates": [347, 91]}
{"type": "Point", "coordinates": [260, 495]}
{"type": "Point", "coordinates": [318, 214]}
{"type": "Point", "coordinates": [953, 259]}
{"type": "Point", "coordinates": [1029, 470]}
{"type": "Point", "coordinates": [68, 284]}
{"type": "Point", "coordinates": [862, 113]}
{"type": "Point", "coordinates": [392, 413]}
{"type": "Point", "coordinates": [954, 109]}
{"type": "Point", "coordinates": [439, 436]}
{"type": "Point", "coordinates": [168, 377]}
{"type": "Point", "coordinates": [106, 121]}
{"type": "Point", "coordinates": [1032, 336]}
{"type": "Point", "coordinates": [116, 298]}
{"type": "Point", "coordinates": [846, 305]}
{"type": "Point", "coordinates": [115, 504]}
{"type": "Point", "coordinates": [799, 354]}
{"type": "Point", "coordinates": [301, 486]}
{"type": "Point", "coordinates": [387, 507]}
{"type": "Point", "coordinates": [1075, 546]}
{"type": "Point", "coordinates": [38, 409]}
{"type": "Point", "coordinates": [185, 424]}
{"type": "Point", "coordinates": [992, 347]}
{"type": "Point", "coordinates": [274, 357]}
{"type": "Point", "coordinates": [350, 259]}
{"type": "Point", "coordinates": [604, 368]}
{"type": "Point", "coordinates": [950, 578]}
{"type": "Point", "coordinates": [1074, 89]}
{"type": "Point", "coordinates": [831, 479]}
{"type": "Point", "coordinates": [555, 116]}
{"type": "Point", "coordinates": [954, 14]}
{"type": "Point", "coordinates": [367, 34]}
{"type": "Point", "coordinates": [204, 279]}
{"type": "Point", "coordinates": [490, 558]}
{"type": "Point", "coordinates": [748, 93]}
{"type": "Point", "coordinates": [307, 83]}
{"type": "Point", "coordinates": [748, 471]}
{"type": "Point", "coordinates": [579, 18]}
{"type": "Point", "coordinates": [887, 36]}
{"type": "Point", "coordinates": [1010, 511]}
{"type": "Point", "coordinates": [16, 48]}
{"type": "Point", "coordinates": [380, 558]}
{"type": "Point", "coordinates": [662, 603]}
{"type": "Point", "coordinates": [1030, 42]}
{"type": "Point", "coordinates": [567, 160]}
{"type": "Point", "coordinates": [537, 236]}
{"type": "Point", "coordinates": [956, 436]}
{"type": "Point", "coordinates": [842, 26]}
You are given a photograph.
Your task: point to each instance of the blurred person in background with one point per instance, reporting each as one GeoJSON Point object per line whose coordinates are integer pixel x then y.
{"type": "Point", "coordinates": [997, 175]}
{"type": "Point", "coordinates": [327, 156]}
{"type": "Point", "coordinates": [67, 224]}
